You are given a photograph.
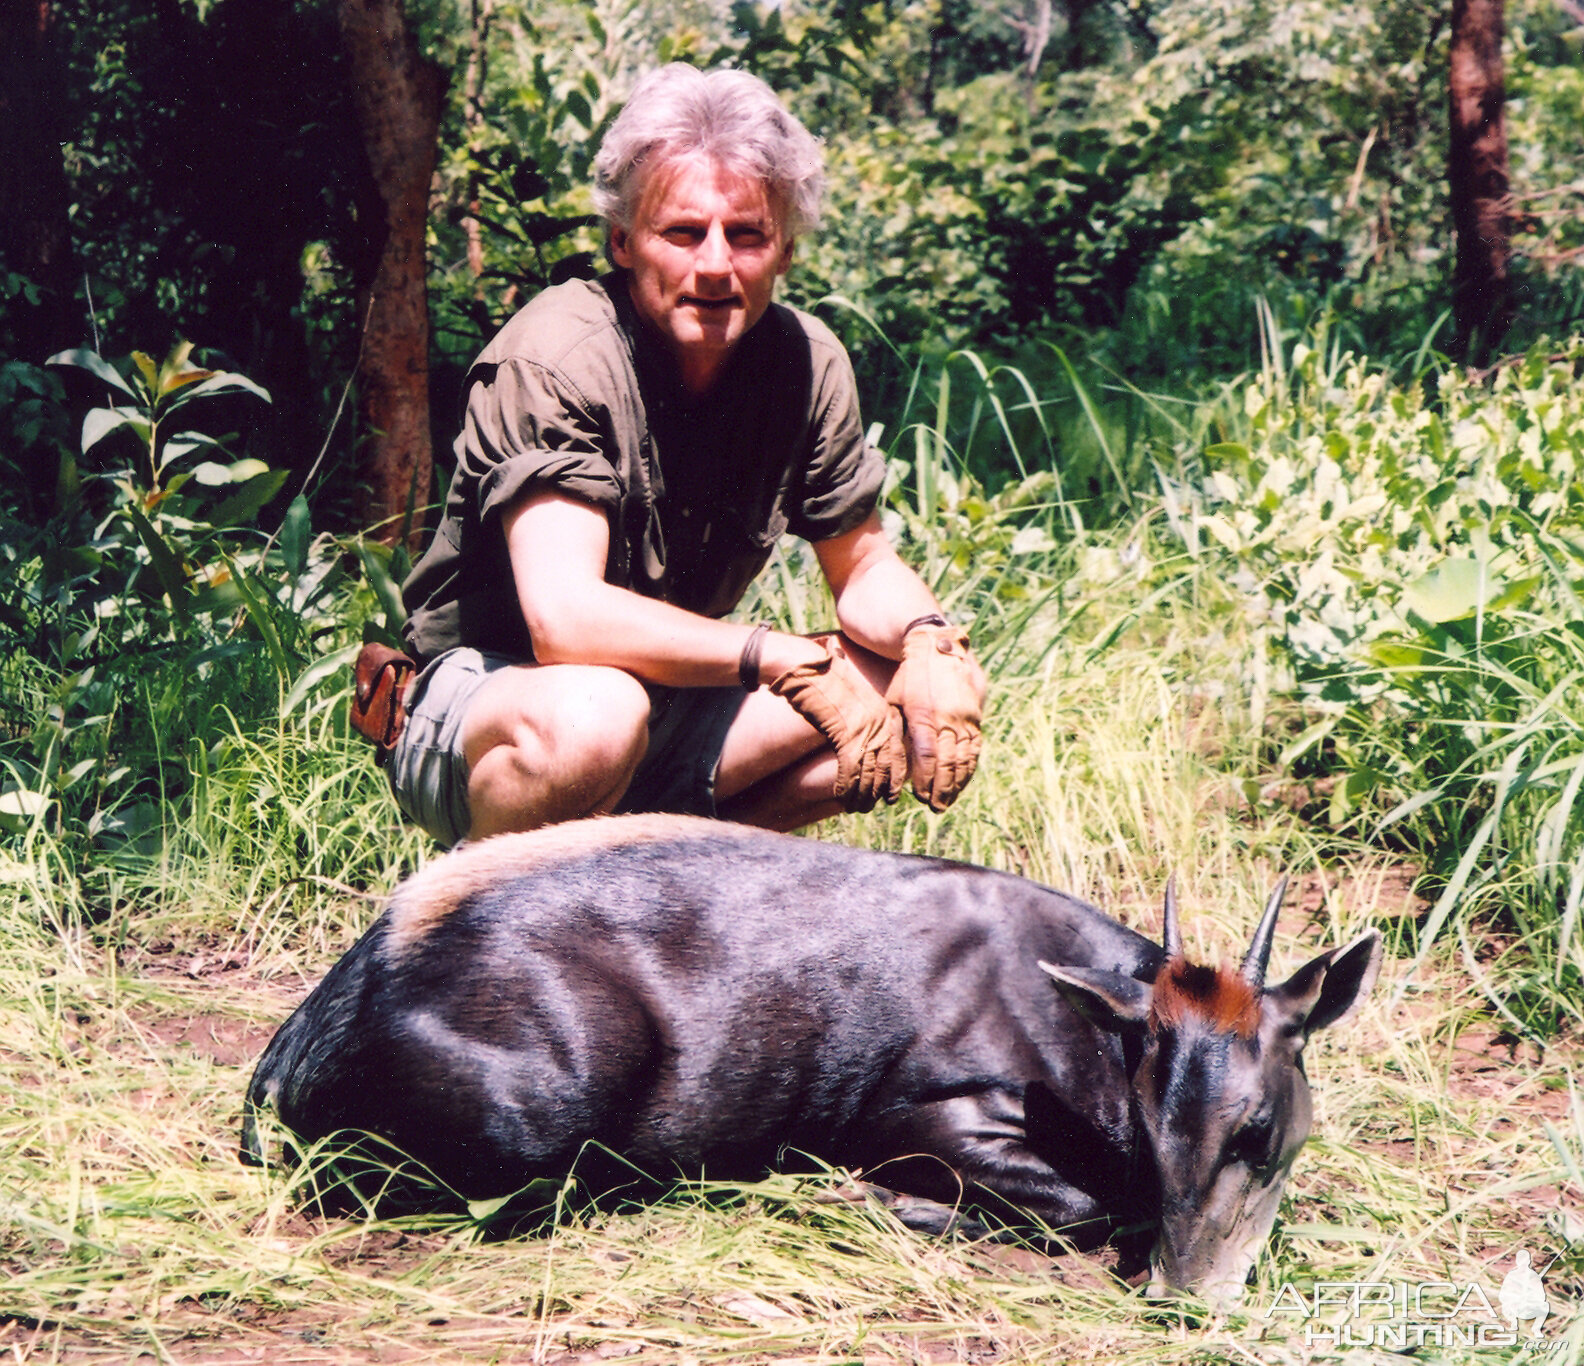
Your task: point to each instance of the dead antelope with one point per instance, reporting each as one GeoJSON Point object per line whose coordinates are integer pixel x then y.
{"type": "Point", "coordinates": [702, 997]}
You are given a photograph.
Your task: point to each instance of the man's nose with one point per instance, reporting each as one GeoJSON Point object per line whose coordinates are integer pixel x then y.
{"type": "Point", "coordinates": [714, 253]}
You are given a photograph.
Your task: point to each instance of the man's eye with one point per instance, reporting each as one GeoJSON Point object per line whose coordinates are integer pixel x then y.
{"type": "Point", "coordinates": [747, 237]}
{"type": "Point", "coordinates": [683, 237]}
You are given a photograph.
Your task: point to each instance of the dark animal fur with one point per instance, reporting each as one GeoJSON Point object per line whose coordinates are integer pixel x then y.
{"type": "Point", "coordinates": [705, 998]}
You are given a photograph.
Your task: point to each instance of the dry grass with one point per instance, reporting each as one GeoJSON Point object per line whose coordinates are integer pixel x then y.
{"type": "Point", "coordinates": [129, 1229]}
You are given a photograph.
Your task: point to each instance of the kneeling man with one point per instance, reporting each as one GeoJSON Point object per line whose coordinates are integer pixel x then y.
{"type": "Point", "coordinates": [633, 448]}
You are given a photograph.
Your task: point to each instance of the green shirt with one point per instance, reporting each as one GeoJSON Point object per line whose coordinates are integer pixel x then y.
{"type": "Point", "coordinates": [576, 394]}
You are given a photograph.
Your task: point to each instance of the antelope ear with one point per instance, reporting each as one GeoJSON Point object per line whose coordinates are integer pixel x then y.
{"type": "Point", "coordinates": [1328, 989]}
{"type": "Point", "coordinates": [1111, 1000]}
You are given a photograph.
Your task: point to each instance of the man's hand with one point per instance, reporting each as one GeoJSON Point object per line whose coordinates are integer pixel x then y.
{"type": "Point", "coordinates": [863, 728]}
{"type": "Point", "coordinates": [939, 689]}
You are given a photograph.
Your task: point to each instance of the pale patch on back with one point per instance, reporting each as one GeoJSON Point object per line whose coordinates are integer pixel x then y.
{"type": "Point", "coordinates": [424, 901]}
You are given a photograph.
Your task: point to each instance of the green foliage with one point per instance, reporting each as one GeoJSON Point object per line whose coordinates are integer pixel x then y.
{"type": "Point", "coordinates": [1417, 560]}
{"type": "Point", "coordinates": [157, 393]}
{"type": "Point", "coordinates": [147, 613]}
{"type": "Point", "coordinates": [1132, 204]}
{"type": "Point", "coordinates": [986, 219]}
{"type": "Point", "coordinates": [1336, 488]}
{"type": "Point", "coordinates": [521, 128]}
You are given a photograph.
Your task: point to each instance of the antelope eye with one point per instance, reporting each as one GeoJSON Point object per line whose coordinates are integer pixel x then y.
{"type": "Point", "coordinates": [1252, 1143]}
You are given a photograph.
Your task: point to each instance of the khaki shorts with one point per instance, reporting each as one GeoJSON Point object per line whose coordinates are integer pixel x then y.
{"type": "Point", "coordinates": [428, 772]}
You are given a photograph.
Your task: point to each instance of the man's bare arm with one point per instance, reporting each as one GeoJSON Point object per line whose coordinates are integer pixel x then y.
{"type": "Point", "coordinates": [558, 548]}
{"type": "Point", "coordinates": [876, 593]}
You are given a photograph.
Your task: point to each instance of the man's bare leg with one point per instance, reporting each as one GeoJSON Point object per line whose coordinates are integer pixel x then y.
{"type": "Point", "coordinates": [790, 799]}
{"type": "Point", "coordinates": [548, 743]}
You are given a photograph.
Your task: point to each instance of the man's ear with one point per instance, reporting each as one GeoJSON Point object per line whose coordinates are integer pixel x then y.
{"type": "Point", "coordinates": [787, 252]}
{"type": "Point", "coordinates": [621, 246]}
{"type": "Point", "coordinates": [1111, 1000]}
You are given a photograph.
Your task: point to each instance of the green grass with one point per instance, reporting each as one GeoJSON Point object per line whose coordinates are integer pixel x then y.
{"type": "Point", "coordinates": [1128, 739]}
{"type": "Point", "coordinates": [1147, 720]}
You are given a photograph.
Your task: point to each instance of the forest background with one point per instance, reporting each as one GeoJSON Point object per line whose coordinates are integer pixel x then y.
{"type": "Point", "coordinates": [1226, 359]}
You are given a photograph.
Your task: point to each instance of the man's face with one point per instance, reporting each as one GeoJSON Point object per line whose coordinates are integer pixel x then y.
{"type": "Point", "coordinates": [703, 255]}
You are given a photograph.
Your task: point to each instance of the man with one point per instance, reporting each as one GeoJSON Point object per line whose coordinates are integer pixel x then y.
{"type": "Point", "coordinates": [632, 449]}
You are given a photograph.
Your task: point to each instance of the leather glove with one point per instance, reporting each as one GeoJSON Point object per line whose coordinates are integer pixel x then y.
{"type": "Point", "coordinates": [862, 727]}
{"type": "Point", "coordinates": [939, 689]}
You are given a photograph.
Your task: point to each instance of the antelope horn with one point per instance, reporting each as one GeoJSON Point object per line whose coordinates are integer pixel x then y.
{"type": "Point", "coordinates": [1258, 956]}
{"type": "Point", "coordinates": [1171, 931]}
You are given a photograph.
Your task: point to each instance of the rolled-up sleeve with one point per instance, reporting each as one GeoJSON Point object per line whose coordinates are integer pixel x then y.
{"type": "Point", "coordinates": [841, 483]}
{"type": "Point", "coordinates": [527, 428]}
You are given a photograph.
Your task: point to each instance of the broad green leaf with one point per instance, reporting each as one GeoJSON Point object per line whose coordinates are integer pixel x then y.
{"type": "Point", "coordinates": [386, 589]}
{"type": "Point", "coordinates": [20, 807]}
{"type": "Point", "coordinates": [212, 475]}
{"type": "Point", "coordinates": [171, 383]}
{"type": "Point", "coordinates": [1348, 793]}
{"type": "Point", "coordinates": [76, 773]}
{"type": "Point", "coordinates": [185, 443]}
{"type": "Point", "coordinates": [167, 562]}
{"type": "Point", "coordinates": [176, 360]}
{"type": "Point", "coordinates": [1395, 654]}
{"type": "Point", "coordinates": [316, 673]}
{"type": "Point", "coordinates": [1516, 593]}
{"type": "Point", "coordinates": [295, 531]}
{"type": "Point", "coordinates": [225, 382]}
{"type": "Point", "coordinates": [128, 824]}
{"type": "Point", "coordinates": [175, 373]}
{"type": "Point", "coordinates": [95, 364]}
{"type": "Point", "coordinates": [247, 500]}
{"type": "Point", "coordinates": [1307, 741]}
{"type": "Point", "coordinates": [249, 468]}
{"type": "Point", "coordinates": [147, 368]}
{"type": "Point", "coordinates": [578, 106]}
{"type": "Point", "coordinates": [100, 422]}
{"type": "Point", "coordinates": [1454, 589]}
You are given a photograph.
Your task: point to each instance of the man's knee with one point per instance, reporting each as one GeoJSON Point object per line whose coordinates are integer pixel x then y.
{"type": "Point", "coordinates": [599, 720]}
{"type": "Point", "coordinates": [568, 717]}
{"type": "Point", "coordinates": [553, 743]}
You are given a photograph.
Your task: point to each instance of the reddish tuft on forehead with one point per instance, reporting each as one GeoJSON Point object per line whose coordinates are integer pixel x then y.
{"type": "Point", "coordinates": [1218, 998]}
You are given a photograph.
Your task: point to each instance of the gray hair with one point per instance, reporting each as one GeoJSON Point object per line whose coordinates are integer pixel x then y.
{"type": "Point", "coordinates": [730, 117]}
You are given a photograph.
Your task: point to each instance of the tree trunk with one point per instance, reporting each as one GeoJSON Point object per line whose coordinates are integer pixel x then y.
{"type": "Point", "coordinates": [1482, 304]}
{"type": "Point", "coordinates": [35, 232]}
{"type": "Point", "coordinates": [397, 96]}
{"type": "Point", "coordinates": [474, 78]}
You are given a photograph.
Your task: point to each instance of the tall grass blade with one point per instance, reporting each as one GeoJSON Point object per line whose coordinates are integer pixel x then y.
{"type": "Point", "coordinates": [1505, 782]}
{"type": "Point", "coordinates": [1092, 415]}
